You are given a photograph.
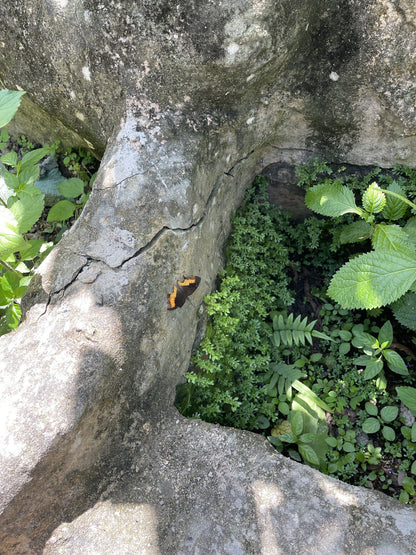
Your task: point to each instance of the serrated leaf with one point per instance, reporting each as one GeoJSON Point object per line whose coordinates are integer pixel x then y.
{"type": "Point", "coordinates": [404, 310]}
{"type": "Point", "coordinates": [9, 104]}
{"type": "Point", "coordinates": [10, 179]}
{"type": "Point", "coordinates": [372, 280]}
{"type": "Point", "coordinates": [391, 237]}
{"type": "Point", "coordinates": [61, 211]}
{"type": "Point", "coordinates": [27, 210]}
{"type": "Point", "coordinates": [29, 175]}
{"type": "Point", "coordinates": [331, 199]}
{"type": "Point", "coordinates": [407, 396]}
{"type": "Point", "coordinates": [10, 239]}
{"type": "Point", "coordinates": [357, 231]}
{"type": "Point", "coordinates": [33, 157]}
{"type": "Point", "coordinates": [9, 159]}
{"type": "Point", "coordinates": [394, 208]}
{"type": "Point", "coordinates": [374, 199]}
{"type": "Point", "coordinates": [308, 454]}
{"type": "Point", "coordinates": [395, 362]}
{"type": "Point", "coordinates": [410, 229]}
{"type": "Point", "coordinates": [71, 188]}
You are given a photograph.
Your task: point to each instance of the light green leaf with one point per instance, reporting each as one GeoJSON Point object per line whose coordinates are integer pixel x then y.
{"type": "Point", "coordinates": [395, 208]}
{"type": "Point", "coordinates": [33, 157]}
{"type": "Point", "coordinates": [413, 468]}
{"type": "Point", "coordinates": [372, 369]}
{"type": "Point", "coordinates": [71, 188]}
{"type": "Point", "coordinates": [357, 231]}
{"type": "Point", "coordinates": [29, 175]}
{"type": "Point", "coordinates": [372, 280]}
{"type": "Point", "coordinates": [374, 199]}
{"type": "Point", "coordinates": [331, 199]}
{"type": "Point", "coordinates": [27, 210]}
{"type": "Point", "coordinates": [407, 396]}
{"type": "Point", "coordinates": [395, 362]}
{"type": "Point", "coordinates": [9, 159]}
{"type": "Point", "coordinates": [10, 239]}
{"type": "Point", "coordinates": [9, 103]}
{"type": "Point", "coordinates": [371, 409]}
{"type": "Point", "coordinates": [389, 413]}
{"type": "Point", "coordinates": [371, 426]}
{"type": "Point", "coordinates": [410, 229]}
{"type": "Point", "coordinates": [62, 210]}
{"type": "Point", "coordinates": [388, 433]}
{"type": "Point", "coordinates": [308, 454]}
{"type": "Point", "coordinates": [10, 179]}
{"type": "Point", "coordinates": [404, 310]}
{"type": "Point", "coordinates": [391, 237]}
{"type": "Point", "coordinates": [296, 423]}
{"type": "Point", "coordinates": [386, 333]}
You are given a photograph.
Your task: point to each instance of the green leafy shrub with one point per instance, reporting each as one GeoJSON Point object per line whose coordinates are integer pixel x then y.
{"type": "Point", "coordinates": [21, 209]}
{"type": "Point", "coordinates": [324, 384]}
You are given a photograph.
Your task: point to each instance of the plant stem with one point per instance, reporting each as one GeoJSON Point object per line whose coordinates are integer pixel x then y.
{"type": "Point", "coordinates": [6, 265]}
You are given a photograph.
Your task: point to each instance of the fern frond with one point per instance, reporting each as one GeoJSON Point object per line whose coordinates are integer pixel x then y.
{"type": "Point", "coordinates": [289, 331]}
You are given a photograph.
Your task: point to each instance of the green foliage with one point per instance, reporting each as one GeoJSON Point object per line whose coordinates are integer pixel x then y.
{"type": "Point", "coordinates": [20, 210]}
{"type": "Point", "coordinates": [318, 387]}
{"type": "Point", "coordinates": [288, 331]}
{"type": "Point", "coordinates": [384, 275]}
{"type": "Point", "coordinates": [225, 384]}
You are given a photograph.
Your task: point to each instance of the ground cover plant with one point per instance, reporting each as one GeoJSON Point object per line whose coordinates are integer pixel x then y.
{"type": "Point", "coordinates": [28, 229]}
{"type": "Point", "coordinates": [286, 355]}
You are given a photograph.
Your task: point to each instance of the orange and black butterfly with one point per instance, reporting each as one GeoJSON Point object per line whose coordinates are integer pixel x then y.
{"type": "Point", "coordinates": [182, 291]}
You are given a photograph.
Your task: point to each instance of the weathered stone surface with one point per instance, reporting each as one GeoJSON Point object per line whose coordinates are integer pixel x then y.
{"type": "Point", "coordinates": [338, 78]}
{"type": "Point", "coordinates": [191, 487]}
{"type": "Point", "coordinates": [207, 94]}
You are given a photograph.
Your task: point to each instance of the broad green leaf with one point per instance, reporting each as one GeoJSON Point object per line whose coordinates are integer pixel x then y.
{"type": "Point", "coordinates": [331, 441]}
{"type": "Point", "coordinates": [371, 409]}
{"type": "Point", "coordinates": [395, 362]}
{"type": "Point", "coordinates": [10, 179]}
{"type": "Point", "coordinates": [357, 231]}
{"type": "Point", "coordinates": [296, 423]}
{"type": "Point", "coordinates": [386, 333]}
{"type": "Point", "coordinates": [308, 438]}
{"type": "Point", "coordinates": [308, 454]}
{"type": "Point", "coordinates": [363, 339]}
{"type": "Point", "coordinates": [9, 103]}
{"type": "Point", "coordinates": [410, 229]}
{"type": "Point", "coordinates": [395, 208]}
{"type": "Point", "coordinates": [33, 157]}
{"type": "Point", "coordinates": [287, 438]}
{"type": "Point", "coordinates": [371, 426]}
{"type": "Point", "coordinates": [71, 188]}
{"type": "Point", "coordinates": [9, 159]}
{"type": "Point", "coordinates": [374, 199]}
{"type": "Point", "coordinates": [407, 396]}
{"type": "Point", "coordinates": [348, 447]}
{"type": "Point", "coordinates": [388, 433]}
{"type": "Point", "coordinates": [13, 314]}
{"type": "Point", "coordinates": [413, 468]}
{"type": "Point", "coordinates": [389, 413]}
{"type": "Point", "coordinates": [62, 210]}
{"type": "Point", "coordinates": [29, 175]}
{"type": "Point", "coordinates": [310, 395]}
{"type": "Point", "coordinates": [10, 239]}
{"type": "Point", "coordinates": [331, 199]}
{"type": "Point", "coordinates": [404, 310]}
{"type": "Point", "coordinates": [262, 422]}
{"type": "Point", "coordinates": [344, 348]}
{"type": "Point", "coordinates": [374, 367]}
{"type": "Point", "coordinates": [391, 237]}
{"type": "Point", "coordinates": [27, 210]}
{"type": "Point", "coordinates": [372, 280]}
{"type": "Point", "coordinates": [409, 485]}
